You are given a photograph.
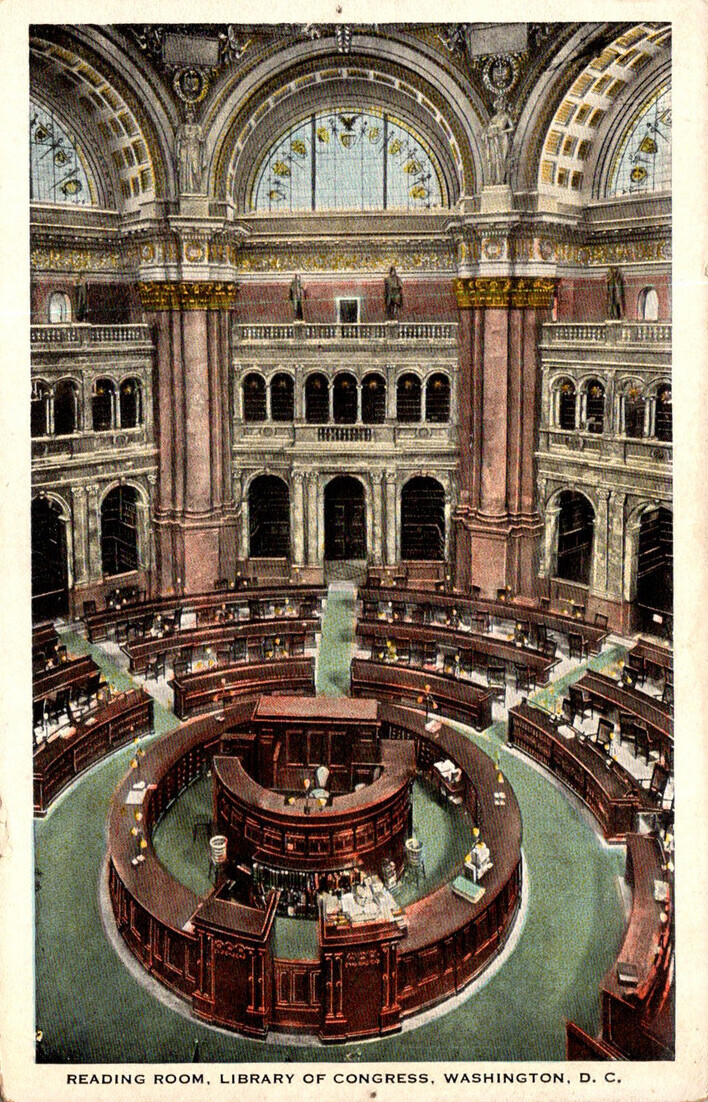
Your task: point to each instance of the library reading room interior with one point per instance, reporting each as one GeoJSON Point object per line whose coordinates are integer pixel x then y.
{"type": "Point", "coordinates": [351, 431]}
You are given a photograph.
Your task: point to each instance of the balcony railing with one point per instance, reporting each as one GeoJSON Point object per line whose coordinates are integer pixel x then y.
{"type": "Point", "coordinates": [82, 334]}
{"type": "Point", "coordinates": [361, 331]}
{"type": "Point", "coordinates": [608, 332]}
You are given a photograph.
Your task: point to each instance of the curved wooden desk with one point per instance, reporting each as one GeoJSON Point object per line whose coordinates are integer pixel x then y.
{"type": "Point", "coordinates": [196, 692]}
{"type": "Point", "coordinates": [219, 954]}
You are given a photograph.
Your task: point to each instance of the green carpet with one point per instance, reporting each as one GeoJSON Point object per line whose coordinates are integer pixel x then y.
{"type": "Point", "coordinates": [336, 642]}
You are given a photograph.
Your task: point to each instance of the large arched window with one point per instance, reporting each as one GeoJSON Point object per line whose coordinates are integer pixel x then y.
{"type": "Point", "coordinates": [119, 530]}
{"type": "Point", "coordinates": [633, 412]}
{"type": "Point", "coordinates": [57, 165]}
{"type": "Point", "coordinates": [50, 569]}
{"type": "Point", "coordinates": [595, 407]}
{"type": "Point", "coordinates": [664, 418]}
{"type": "Point", "coordinates": [566, 405]}
{"type": "Point", "coordinates": [317, 399]}
{"type": "Point", "coordinates": [39, 409]}
{"type": "Point", "coordinates": [348, 158]}
{"type": "Point", "coordinates": [66, 408]}
{"type": "Point", "coordinates": [642, 163]}
{"type": "Point", "coordinates": [423, 519]}
{"type": "Point", "coordinates": [103, 404]}
{"type": "Point", "coordinates": [269, 518]}
{"type": "Point", "coordinates": [254, 398]}
{"type": "Point", "coordinates": [131, 404]}
{"type": "Point", "coordinates": [408, 398]}
{"type": "Point", "coordinates": [576, 523]}
{"type": "Point", "coordinates": [437, 399]}
{"type": "Point", "coordinates": [344, 399]}
{"type": "Point", "coordinates": [282, 405]}
{"type": "Point", "coordinates": [373, 399]}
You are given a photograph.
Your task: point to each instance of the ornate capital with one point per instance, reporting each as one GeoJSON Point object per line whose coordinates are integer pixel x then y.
{"type": "Point", "coordinates": [187, 296]}
{"type": "Point", "coordinates": [503, 292]}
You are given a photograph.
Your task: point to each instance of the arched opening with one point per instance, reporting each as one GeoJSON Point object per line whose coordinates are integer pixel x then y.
{"type": "Point", "coordinates": [59, 309]}
{"type": "Point", "coordinates": [269, 518]}
{"type": "Point", "coordinates": [39, 409]}
{"type": "Point", "coordinates": [254, 398]}
{"type": "Point", "coordinates": [344, 399]}
{"type": "Point", "coordinates": [633, 413]}
{"type": "Point", "coordinates": [119, 531]}
{"type": "Point", "coordinates": [595, 407]}
{"type": "Point", "coordinates": [437, 399]}
{"type": "Point", "coordinates": [655, 567]}
{"type": "Point", "coordinates": [373, 400]}
{"type": "Point", "coordinates": [131, 404]}
{"type": "Point", "coordinates": [66, 408]}
{"type": "Point", "coordinates": [282, 398]}
{"type": "Point", "coordinates": [317, 399]}
{"type": "Point", "coordinates": [345, 519]}
{"type": "Point", "coordinates": [648, 305]}
{"type": "Point", "coordinates": [423, 520]}
{"type": "Point", "coordinates": [664, 418]}
{"type": "Point", "coordinates": [50, 568]}
{"type": "Point", "coordinates": [408, 398]}
{"type": "Point", "coordinates": [566, 405]}
{"type": "Point", "coordinates": [576, 522]}
{"type": "Point", "coordinates": [103, 403]}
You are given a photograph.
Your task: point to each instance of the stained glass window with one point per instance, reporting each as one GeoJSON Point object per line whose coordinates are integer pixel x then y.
{"type": "Point", "coordinates": [643, 161]}
{"type": "Point", "coordinates": [348, 159]}
{"type": "Point", "coordinates": [57, 170]}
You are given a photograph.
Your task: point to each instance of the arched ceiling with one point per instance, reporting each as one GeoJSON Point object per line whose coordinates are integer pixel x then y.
{"type": "Point", "coordinates": [588, 107]}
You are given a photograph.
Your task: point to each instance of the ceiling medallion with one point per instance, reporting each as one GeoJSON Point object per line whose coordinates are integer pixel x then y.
{"type": "Point", "coordinates": [500, 73]}
{"type": "Point", "coordinates": [191, 85]}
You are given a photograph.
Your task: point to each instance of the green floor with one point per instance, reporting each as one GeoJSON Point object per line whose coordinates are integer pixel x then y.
{"type": "Point", "coordinates": [90, 1008]}
{"type": "Point", "coordinates": [336, 643]}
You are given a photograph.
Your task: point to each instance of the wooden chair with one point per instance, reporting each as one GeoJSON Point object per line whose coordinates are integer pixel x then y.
{"type": "Point", "coordinates": [522, 679]}
{"type": "Point", "coordinates": [180, 667]}
{"type": "Point", "coordinates": [399, 610]}
{"type": "Point", "coordinates": [629, 677]}
{"type": "Point", "coordinates": [538, 636]}
{"type": "Point", "coordinates": [503, 594]}
{"type": "Point", "coordinates": [476, 592]}
{"type": "Point", "coordinates": [636, 662]}
{"type": "Point", "coordinates": [600, 620]}
{"type": "Point", "coordinates": [496, 674]}
{"type": "Point", "coordinates": [576, 645]}
{"type": "Point", "coordinates": [550, 648]}
{"type": "Point", "coordinates": [239, 651]}
{"type": "Point", "coordinates": [659, 781]}
{"type": "Point", "coordinates": [643, 742]}
{"type": "Point", "coordinates": [579, 703]}
{"type": "Point", "coordinates": [223, 654]}
{"type": "Point", "coordinates": [89, 609]}
{"type": "Point", "coordinates": [628, 731]}
{"type": "Point", "coordinates": [417, 655]}
{"type": "Point", "coordinates": [667, 695]}
{"type": "Point", "coordinates": [603, 735]}
{"type": "Point", "coordinates": [544, 603]}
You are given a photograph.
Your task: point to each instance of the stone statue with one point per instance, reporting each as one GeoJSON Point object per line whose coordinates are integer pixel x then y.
{"type": "Point", "coordinates": [497, 144]}
{"type": "Point", "coordinates": [81, 312]}
{"type": "Point", "coordinates": [190, 154]}
{"type": "Point", "coordinates": [615, 294]}
{"type": "Point", "coordinates": [393, 294]}
{"type": "Point", "coordinates": [297, 295]}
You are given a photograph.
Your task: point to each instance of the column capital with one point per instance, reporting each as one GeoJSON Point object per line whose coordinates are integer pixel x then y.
{"type": "Point", "coordinates": [181, 295]}
{"type": "Point", "coordinates": [504, 292]}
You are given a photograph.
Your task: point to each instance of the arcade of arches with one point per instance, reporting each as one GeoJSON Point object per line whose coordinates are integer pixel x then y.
{"type": "Point", "coordinates": [410, 340]}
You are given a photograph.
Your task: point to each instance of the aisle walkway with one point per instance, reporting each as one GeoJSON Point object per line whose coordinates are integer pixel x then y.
{"type": "Point", "coordinates": [337, 640]}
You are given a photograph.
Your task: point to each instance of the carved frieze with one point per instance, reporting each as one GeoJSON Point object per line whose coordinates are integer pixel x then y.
{"type": "Point", "coordinates": [504, 292]}
{"type": "Point", "coordinates": [187, 296]}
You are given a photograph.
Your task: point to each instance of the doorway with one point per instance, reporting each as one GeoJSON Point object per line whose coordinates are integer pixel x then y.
{"type": "Point", "coordinates": [50, 571]}
{"type": "Point", "coordinates": [345, 519]}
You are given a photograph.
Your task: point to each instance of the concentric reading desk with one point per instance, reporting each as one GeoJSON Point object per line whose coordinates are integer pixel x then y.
{"type": "Point", "coordinates": [217, 951]}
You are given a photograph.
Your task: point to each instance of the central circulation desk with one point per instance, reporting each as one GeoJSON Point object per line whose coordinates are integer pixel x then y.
{"type": "Point", "coordinates": [456, 697]}
{"type": "Point", "coordinates": [366, 978]}
{"type": "Point", "coordinates": [610, 792]}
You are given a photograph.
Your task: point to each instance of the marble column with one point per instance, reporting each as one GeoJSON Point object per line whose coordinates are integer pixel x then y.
{"type": "Point", "coordinates": [391, 518]}
{"type": "Point", "coordinates": [377, 511]}
{"type": "Point", "coordinates": [312, 526]}
{"type": "Point", "coordinates": [298, 519]}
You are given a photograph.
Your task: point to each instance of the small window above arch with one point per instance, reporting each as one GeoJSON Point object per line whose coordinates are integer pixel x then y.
{"type": "Point", "coordinates": [59, 308]}
{"type": "Point", "coordinates": [648, 305]}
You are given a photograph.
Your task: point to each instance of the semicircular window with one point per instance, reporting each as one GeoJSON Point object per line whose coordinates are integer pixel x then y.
{"type": "Point", "coordinates": [57, 165]}
{"type": "Point", "coordinates": [642, 163]}
{"type": "Point", "coordinates": [348, 159]}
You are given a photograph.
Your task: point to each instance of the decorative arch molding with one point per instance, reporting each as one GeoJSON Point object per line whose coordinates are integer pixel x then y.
{"type": "Point", "coordinates": [614, 131]}
{"type": "Point", "coordinates": [563, 88]}
{"type": "Point", "coordinates": [248, 117]}
{"type": "Point", "coordinates": [133, 124]}
{"type": "Point", "coordinates": [630, 543]}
